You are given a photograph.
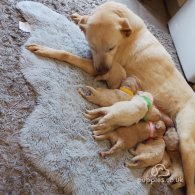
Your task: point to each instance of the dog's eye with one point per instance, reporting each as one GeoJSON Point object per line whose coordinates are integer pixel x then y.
{"type": "Point", "coordinates": [111, 48]}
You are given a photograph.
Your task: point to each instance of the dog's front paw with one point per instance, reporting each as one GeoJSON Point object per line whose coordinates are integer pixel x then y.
{"type": "Point", "coordinates": [37, 49]}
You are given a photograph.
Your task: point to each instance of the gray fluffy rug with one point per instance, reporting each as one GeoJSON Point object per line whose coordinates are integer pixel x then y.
{"type": "Point", "coordinates": [56, 137]}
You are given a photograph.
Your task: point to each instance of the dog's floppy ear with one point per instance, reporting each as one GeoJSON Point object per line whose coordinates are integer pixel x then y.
{"type": "Point", "coordinates": [81, 21]}
{"type": "Point", "coordinates": [125, 27]}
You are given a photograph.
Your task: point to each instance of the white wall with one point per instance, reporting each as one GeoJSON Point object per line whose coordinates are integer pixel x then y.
{"type": "Point", "coordinates": [182, 29]}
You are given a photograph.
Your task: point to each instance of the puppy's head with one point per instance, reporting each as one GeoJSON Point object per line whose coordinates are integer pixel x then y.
{"type": "Point", "coordinates": [106, 30]}
{"type": "Point", "coordinates": [133, 83]}
{"type": "Point", "coordinates": [153, 114]}
{"type": "Point", "coordinates": [146, 94]}
{"type": "Point", "coordinates": [115, 76]}
{"type": "Point", "coordinates": [160, 128]}
{"type": "Point", "coordinates": [171, 139]}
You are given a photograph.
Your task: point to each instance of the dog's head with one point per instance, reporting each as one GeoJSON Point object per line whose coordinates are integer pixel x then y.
{"type": "Point", "coordinates": [106, 30]}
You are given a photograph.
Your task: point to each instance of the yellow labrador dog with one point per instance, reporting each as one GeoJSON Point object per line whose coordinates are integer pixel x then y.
{"type": "Point", "coordinates": [116, 34]}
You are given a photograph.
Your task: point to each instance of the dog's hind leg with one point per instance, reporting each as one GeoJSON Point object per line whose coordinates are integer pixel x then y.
{"type": "Point", "coordinates": [185, 121]}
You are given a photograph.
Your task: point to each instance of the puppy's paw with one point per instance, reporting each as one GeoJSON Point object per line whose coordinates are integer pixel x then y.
{"type": "Point", "coordinates": [132, 164]}
{"type": "Point", "coordinates": [176, 185]}
{"type": "Point", "coordinates": [96, 138]}
{"type": "Point", "coordinates": [100, 137]}
{"type": "Point", "coordinates": [126, 164]}
{"type": "Point", "coordinates": [176, 181]}
{"type": "Point", "coordinates": [95, 113]}
{"type": "Point", "coordinates": [132, 151]}
{"type": "Point", "coordinates": [97, 133]}
{"type": "Point", "coordinates": [96, 120]}
{"type": "Point", "coordinates": [100, 129]}
{"type": "Point", "coordinates": [89, 93]}
{"type": "Point", "coordinates": [102, 154]}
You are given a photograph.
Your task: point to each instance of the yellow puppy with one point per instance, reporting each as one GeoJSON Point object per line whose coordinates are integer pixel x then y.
{"type": "Point", "coordinates": [148, 153]}
{"type": "Point", "coordinates": [107, 97]}
{"type": "Point", "coordinates": [125, 138]}
{"type": "Point", "coordinates": [123, 113]}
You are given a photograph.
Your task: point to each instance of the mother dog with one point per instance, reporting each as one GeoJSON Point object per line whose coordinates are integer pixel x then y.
{"type": "Point", "coordinates": [116, 34]}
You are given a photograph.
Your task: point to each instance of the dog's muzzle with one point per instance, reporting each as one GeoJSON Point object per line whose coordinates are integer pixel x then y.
{"type": "Point", "coordinates": [102, 69]}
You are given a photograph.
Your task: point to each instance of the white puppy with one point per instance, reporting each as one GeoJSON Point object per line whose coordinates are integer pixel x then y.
{"type": "Point", "coordinates": [124, 113]}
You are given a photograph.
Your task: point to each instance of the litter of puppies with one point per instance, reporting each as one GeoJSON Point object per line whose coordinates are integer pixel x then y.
{"type": "Point", "coordinates": [147, 132]}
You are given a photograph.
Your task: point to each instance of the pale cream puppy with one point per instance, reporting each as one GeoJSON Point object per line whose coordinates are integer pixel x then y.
{"type": "Point", "coordinates": [123, 113]}
{"type": "Point", "coordinates": [161, 169]}
{"type": "Point", "coordinates": [148, 153]}
{"type": "Point", "coordinates": [171, 162]}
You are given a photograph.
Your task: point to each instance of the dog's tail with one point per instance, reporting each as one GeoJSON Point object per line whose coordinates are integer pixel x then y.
{"type": "Point", "coordinates": [185, 122]}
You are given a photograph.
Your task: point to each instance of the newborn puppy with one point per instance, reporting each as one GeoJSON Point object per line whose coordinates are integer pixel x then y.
{"type": "Point", "coordinates": [176, 180]}
{"type": "Point", "coordinates": [147, 154]}
{"type": "Point", "coordinates": [108, 97]}
{"type": "Point", "coordinates": [125, 138]}
{"type": "Point", "coordinates": [158, 170]}
{"type": "Point", "coordinates": [125, 113]}
{"type": "Point", "coordinates": [112, 79]}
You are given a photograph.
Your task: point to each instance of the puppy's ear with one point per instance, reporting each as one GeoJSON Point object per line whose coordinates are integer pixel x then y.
{"type": "Point", "coordinates": [125, 27]}
{"type": "Point", "coordinates": [81, 21]}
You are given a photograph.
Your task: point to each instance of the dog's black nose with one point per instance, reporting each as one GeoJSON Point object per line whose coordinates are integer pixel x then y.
{"type": "Point", "coordinates": [102, 69]}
